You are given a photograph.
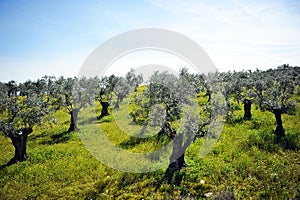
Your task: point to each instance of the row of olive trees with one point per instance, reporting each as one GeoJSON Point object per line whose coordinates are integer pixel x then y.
{"type": "Point", "coordinates": [163, 102]}
{"type": "Point", "coordinates": [164, 99]}
{"type": "Point", "coordinates": [270, 90]}
{"type": "Point", "coordinates": [33, 103]}
{"type": "Point", "coordinates": [29, 104]}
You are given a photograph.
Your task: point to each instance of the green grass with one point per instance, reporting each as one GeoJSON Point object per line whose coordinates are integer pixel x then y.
{"type": "Point", "coordinates": [245, 162]}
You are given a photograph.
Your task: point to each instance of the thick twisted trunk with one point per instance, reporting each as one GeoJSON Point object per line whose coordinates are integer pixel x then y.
{"type": "Point", "coordinates": [19, 141]}
{"type": "Point", "coordinates": [208, 93]}
{"type": "Point", "coordinates": [177, 161]}
{"type": "Point", "coordinates": [119, 99]}
{"type": "Point", "coordinates": [104, 111]}
{"type": "Point", "coordinates": [73, 123]}
{"type": "Point", "coordinates": [279, 132]}
{"type": "Point", "coordinates": [177, 157]}
{"type": "Point", "coordinates": [247, 109]}
{"type": "Point", "coordinates": [117, 105]}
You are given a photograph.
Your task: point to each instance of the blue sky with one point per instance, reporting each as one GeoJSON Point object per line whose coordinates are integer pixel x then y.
{"type": "Point", "coordinates": [55, 37]}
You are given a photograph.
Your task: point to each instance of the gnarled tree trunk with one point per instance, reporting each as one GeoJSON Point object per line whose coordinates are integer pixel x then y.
{"type": "Point", "coordinates": [208, 93]}
{"type": "Point", "coordinates": [73, 123]}
{"type": "Point", "coordinates": [104, 111]}
{"type": "Point", "coordinates": [119, 100]}
{"type": "Point", "coordinates": [247, 109]}
{"type": "Point", "coordinates": [180, 145]}
{"type": "Point", "coordinates": [279, 132]}
{"type": "Point", "coordinates": [177, 157]}
{"type": "Point", "coordinates": [117, 105]}
{"type": "Point", "coordinates": [19, 141]}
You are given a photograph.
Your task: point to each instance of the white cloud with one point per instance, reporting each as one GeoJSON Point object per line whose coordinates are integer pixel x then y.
{"type": "Point", "coordinates": [239, 33]}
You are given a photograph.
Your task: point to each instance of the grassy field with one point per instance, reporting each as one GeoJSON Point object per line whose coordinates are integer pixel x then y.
{"type": "Point", "coordinates": [244, 163]}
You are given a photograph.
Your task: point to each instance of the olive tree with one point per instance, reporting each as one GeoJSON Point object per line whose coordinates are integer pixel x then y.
{"type": "Point", "coordinates": [73, 94]}
{"type": "Point", "coordinates": [104, 93]}
{"type": "Point", "coordinates": [224, 84]}
{"type": "Point", "coordinates": [121, 89]}
{"type": "Point", "coordinates": [197, 81]}
{"type": "Point", "coordinates": [133, 80]}
{"type": "Point", "coordinates": [169, 101]}
{"type": "Point", "coordinates": [125, 86]}
{"type": "Point", "coordinates": [243, 90]}
{"type": "Point", "coordinates": [22, 107]}
{"type": "Point", "coordinates": [278, 87]}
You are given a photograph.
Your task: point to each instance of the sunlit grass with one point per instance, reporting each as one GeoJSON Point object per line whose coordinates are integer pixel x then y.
{"type": "Point", "coordinates": [245, 162]}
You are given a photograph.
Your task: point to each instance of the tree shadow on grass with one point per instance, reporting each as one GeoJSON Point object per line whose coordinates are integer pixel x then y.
{"type": "Point", "coordinates": [3, 166]}
{"type": "Point", "coordinates": [155, 181]}
{"type": "Point", "coordinates": [235, 120]}
{"type": "Point", "coordinates": [125, 182]}
{"type": "Point", "coordinates": [37, 136]}
{"type": "Point", "coordinates": [174, 178]}
{"type": "Point", "coordinates": [59, 138]}
{"type": "Point", "coordinates": [141, 137]}
{"type": "Point", "coordinates": [266, 141]}
{"type": "Point", "coordinates": [132, 142]}
{"type": "Point", "coordinates": [290, 142]}
{"type": "Point", "coordinates": [91, 120]}
{"type": "Point", "coordinates": [9, 163]}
